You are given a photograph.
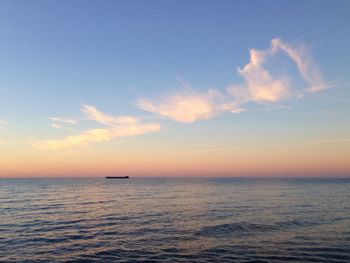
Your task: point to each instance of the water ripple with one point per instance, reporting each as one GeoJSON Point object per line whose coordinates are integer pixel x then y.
{"type": "Point", "coordinates": [175, 220]}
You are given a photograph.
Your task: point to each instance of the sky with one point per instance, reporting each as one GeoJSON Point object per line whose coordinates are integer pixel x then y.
{"type": "Point", "coordinates": [174, 88]}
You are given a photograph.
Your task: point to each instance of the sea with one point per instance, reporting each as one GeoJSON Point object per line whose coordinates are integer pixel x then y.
{"type": "Point", "coordinates": [175, 220]}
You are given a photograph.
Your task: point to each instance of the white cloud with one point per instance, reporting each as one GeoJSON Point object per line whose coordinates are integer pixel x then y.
{"type": "Point", "coordinates": [117, 127]}
{"type": "Point", "coordinates": [95, 136]}
{"type": "Point", "coordinates": [306, 67]}
{"type": "Point", "coordinates": [260, 86]}
{"type": "Point", "coordinates": [185, 106]}
{"type": "Point", "coordinates": [63, 119]}
{"type": "Point", "coordinates": [93, 114]}
{"type": "Point", "coordinates": [57, 126]}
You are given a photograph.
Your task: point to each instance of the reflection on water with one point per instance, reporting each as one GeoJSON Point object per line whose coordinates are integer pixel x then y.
{"type": "Point", "coordinates": [175, 220]}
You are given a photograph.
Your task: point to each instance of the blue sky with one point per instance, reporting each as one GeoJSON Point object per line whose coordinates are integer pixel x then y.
{"type": "Point", "coordinates": [56, 56]}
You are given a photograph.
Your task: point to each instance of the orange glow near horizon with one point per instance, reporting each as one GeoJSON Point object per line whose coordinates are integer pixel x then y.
{"type": "Point", "coordinates": [317, 161]}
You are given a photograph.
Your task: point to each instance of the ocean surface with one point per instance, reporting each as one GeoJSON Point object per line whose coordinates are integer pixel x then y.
{"type": "Point", "coordinates": [175, 220]}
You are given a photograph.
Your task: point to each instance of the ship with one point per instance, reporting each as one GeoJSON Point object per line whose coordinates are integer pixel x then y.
{"type": "Point", "coordinates": [117, 177]}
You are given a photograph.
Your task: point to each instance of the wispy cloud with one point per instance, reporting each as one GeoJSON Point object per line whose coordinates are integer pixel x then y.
{"type": "Point", "coordinates": [260, 86]}
{"type": "Point", "coordinates": [93, 114]}
{"type": "Point", "coordinates": [57, 123]}
{"type": "Point", "coordinates": [96, 135]}
{"type": "Point", "coordinates": [57, 126]}
{"type": "Point", "coordinates": [117, 127]}
{"type": "Point", "coordinates": [2, 122]}
{"type": "Point", "coordinates": [64, 120]}
{"type": "Point", "coordinates": [306, 66]}
{"type": "Point", "coordinates": [185, 106]}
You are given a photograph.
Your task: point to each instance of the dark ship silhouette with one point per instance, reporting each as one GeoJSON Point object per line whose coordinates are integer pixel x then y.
{"type": "Point", "coordinates": [117, 177]}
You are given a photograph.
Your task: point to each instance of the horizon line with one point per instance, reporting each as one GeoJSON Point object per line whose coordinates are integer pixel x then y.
{"type": "Point", "coordinates": [182, 177]}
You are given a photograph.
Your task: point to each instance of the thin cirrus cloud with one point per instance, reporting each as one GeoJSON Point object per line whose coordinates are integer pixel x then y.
{"type": "Point", "coordinates": [306, 67]}
{"type": "Point", "coordinates": [64, 120]}
{"type": "Point", "coordinates": [260, 86]}
{"type": "Point", "coordinates": [116, 127]}
{"type": "Point", "coordinates": [58, 121]}
{"type": "Point", "coordinates": [57, 126]}
{"type": "Point", "coordinates": [93, 114]}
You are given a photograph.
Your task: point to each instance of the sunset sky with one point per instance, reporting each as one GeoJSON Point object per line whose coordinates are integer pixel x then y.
{"type": "Point", "coordinates": [175, 88]}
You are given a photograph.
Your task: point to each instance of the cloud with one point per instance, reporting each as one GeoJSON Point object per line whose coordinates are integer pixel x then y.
{"type": "Point", "coordinates": [2, 122]}
{"type": "Point", "coordinates": [305, 64]}
{"type": "Point", "coordinates": [63, 119]}
{"type": "Point", "coordinates": [185, 106]}
{"type": "Point", "coordinates": [93, 114]}
{"type": "Point", "coordinates": [260, 86]}
{"type": "Point", "coordinates": [95, 136]}
{"type": "Point", "coordinates": [117, 127]}
{"type": "Point", "coordinates": [57, 126]}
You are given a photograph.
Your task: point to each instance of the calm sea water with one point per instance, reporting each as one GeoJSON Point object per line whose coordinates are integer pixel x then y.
{"type": "Point", "coordinates": [175, 220]}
